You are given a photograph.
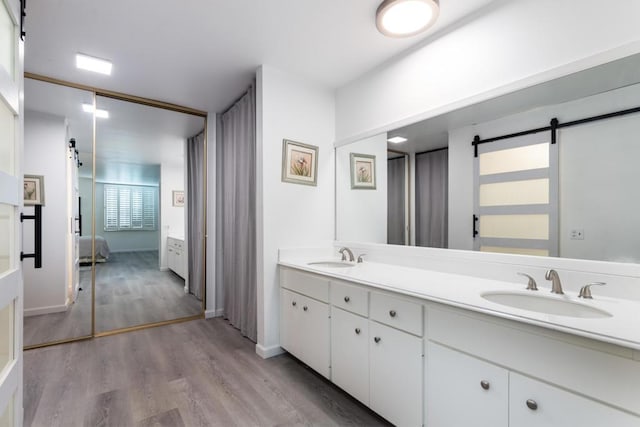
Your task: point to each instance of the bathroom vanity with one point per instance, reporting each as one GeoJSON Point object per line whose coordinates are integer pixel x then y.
{"type": "Point", "coordinates": [421, 347]}
{"type": "Point", "coordinates": [177, 255]}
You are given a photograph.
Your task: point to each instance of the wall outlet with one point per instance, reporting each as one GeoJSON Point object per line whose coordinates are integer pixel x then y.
{"type": "Point", "coordinates": [577, 234]}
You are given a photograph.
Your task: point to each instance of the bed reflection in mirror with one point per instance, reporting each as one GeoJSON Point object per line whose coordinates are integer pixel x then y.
{"type": "Point", "coordinates": [148, 214]}
{"type": "Point", "coordinates": [58, 143]}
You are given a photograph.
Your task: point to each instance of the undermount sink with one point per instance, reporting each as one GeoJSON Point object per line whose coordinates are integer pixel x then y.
{"type": "Point", "coordinates": [330, 264]}
{"type": "Point", "coordinates": [545, 304]}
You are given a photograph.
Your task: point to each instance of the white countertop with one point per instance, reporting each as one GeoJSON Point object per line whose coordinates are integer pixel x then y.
{"type": "Point", "coordinates": [622, 328]}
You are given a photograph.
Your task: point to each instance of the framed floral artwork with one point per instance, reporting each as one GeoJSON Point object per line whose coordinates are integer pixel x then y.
{"type": "Point", "coordinates": [178, 198]}
{"type": "Point", "coordinates": [363, 171]}
{"type": "Point", "coordinates": [299, 163]}
{"type": "Point", "coordinates": [33, 190]}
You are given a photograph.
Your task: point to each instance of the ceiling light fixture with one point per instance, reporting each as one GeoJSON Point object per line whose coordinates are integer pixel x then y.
{"type": "Point", "coordinates": [405, 18]}
{"type": "Point", "coordinates": [397, 140]}
{"type": "Point", "coordinates": [88, 108]}
{"type": "Point", "coordinates": [91, 63]}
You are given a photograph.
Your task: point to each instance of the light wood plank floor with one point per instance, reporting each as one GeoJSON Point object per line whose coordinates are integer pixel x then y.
{"type": "Point", "coordinates": [130, 291]}
{"type": "Point", "coordinates": [198, 373]}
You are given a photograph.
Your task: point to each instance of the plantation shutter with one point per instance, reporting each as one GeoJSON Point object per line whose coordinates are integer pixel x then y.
{"type": "Point", "coordinates": [110, 208]}
{"type": "Point", "coordinates": [129, 207]}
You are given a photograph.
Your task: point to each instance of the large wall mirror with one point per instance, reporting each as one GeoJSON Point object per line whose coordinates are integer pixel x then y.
{"type": "Point", "coordinates": [526, 192]}
{"type": "Point", "coordinates": [123, 213]}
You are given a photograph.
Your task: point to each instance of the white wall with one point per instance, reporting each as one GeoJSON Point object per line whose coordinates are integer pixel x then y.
{"type": "Point", "coordinates": [362, 216]}
{"type": "Point", "coordinates": [45, 149]}
{"type": "Point", "coordinates": [289, 214]}
{"type": "Point", "coordinates": [516, 45]}
{"type": "Point", "coordinates": [598, 175]}
{"type": "Point", "coordinates": [172, 218]}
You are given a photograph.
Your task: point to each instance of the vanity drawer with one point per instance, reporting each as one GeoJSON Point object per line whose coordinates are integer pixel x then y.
{"type": "Point", "coordinates": [396, 312]}
{"type": "Point", "coordinates": [351, 298]}
{"type": "Point", "coordinates": [306, 284]}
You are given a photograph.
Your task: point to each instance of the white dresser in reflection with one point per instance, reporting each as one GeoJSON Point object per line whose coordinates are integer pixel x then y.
{"type": "Point", "coordinates": [177, 256]}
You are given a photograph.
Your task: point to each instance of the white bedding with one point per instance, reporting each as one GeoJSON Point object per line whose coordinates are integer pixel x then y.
{"type": "Point", "coordinates": [102, 248]}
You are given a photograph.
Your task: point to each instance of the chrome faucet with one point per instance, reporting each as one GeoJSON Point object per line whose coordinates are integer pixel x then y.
{"type": "Point", "coordinates": [344, 256]}
{"type": "Point", "coordinates": [556, 287]}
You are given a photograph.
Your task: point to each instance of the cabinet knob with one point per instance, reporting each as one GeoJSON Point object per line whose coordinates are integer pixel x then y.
{"type": "Point", "coordinates": [347, 299]}
{"type": "Point", "coordinates": [392, 313]}
{"type": "Point", "coordinates": [357, 331]}
{"type": "Point", "coordinates": [485, 384]}
{"type": "Point", "coordinates": [305, 308]}
{"type": "Point", "coordinates": [377, 339]}
{"type": "Point", "coordinates": [532, 404]}
{"type": "Point", "coordinates": [294, 303]}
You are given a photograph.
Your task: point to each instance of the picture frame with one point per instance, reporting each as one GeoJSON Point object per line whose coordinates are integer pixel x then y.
{"type": "Point", "coordinates": [363, 171]}
{"type": "Point", "coordinates": [178, 198]}
{"type": "Point", "coordinates": [299, 163]}
{"type": "Point", "coordinates": [33, 190]}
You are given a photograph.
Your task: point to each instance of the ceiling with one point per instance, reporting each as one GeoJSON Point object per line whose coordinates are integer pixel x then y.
{"type": "Point", "coordinates": [204, 53]}
{"type": "Point", "coordinates": [134, 135]}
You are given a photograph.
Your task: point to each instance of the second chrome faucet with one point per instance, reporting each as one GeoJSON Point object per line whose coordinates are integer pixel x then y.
{"type": "Point", "coordinates": [556, 286]}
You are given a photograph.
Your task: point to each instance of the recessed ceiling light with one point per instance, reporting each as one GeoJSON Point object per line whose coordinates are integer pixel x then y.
{"type": "Point", "coordinates": [397, 139]}
{"type": "Point", "coordinates": [91, 63]}
{"type": "Point", "coordinates": [405, 18]}
{"type": "Point", "coordinates": [88, 108]}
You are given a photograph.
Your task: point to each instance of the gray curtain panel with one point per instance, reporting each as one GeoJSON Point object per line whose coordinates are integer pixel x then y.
{"type": "Point", "coordinates": [396, 201]}
{"type": "Point", "coordinates": [236, 230]}
{"type": "Point", "coordinates": [432, 202]}
{"type": "Point", "coordinates": [195, 213]}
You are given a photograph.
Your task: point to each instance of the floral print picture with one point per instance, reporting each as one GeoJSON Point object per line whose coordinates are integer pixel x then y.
{"type": "Point", "coordinates": [363, 171]}
{"type": "Point", "coordinates": [299, 162]}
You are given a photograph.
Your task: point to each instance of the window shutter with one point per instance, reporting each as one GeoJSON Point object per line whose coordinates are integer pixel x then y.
{"type": "Point", "coordinates": [129, 207]}
{"type": "Point", "coordinates": [110, 208]}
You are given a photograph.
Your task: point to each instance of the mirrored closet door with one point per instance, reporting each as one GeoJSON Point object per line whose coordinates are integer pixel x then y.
{"type": "Point", "coordinates": [149, 214]}
{"type": "Point", "coordinates": [58, 147]}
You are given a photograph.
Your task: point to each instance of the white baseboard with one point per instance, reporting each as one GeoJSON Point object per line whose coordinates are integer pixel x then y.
{"type": "Point", "coordinates": [133, 250]}
{"type": "Point", "coordinates": [45, 310]}
{"type": "Point", "coordinates": [209, 314]}
{"type": "Point", "coordinates": [267, 352]}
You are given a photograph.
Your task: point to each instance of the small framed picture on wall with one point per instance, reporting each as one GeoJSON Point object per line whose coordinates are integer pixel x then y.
{"type": "Point", "coordinates": [178, 198]}
{"type": "Point", "coordinates": [299, 163]}
{"type": "Point", "coordinates": [363, 171]}
{"type": "Point", "coordinates": [33, 190]}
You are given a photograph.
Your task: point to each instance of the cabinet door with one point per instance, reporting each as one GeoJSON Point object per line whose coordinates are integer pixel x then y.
{"type": "Point", "coordinates": [395, 375]}
{"type": "Point", "coordinates": [464, 391]}
{"type": "Point", "coordinates": [314, 335]}
{"type": "Point", "coordinates": [350, 353]}
{"type": "Point", "coordinates": [289, 304]}
{"type": "Point", "coordinates": [534, 404]}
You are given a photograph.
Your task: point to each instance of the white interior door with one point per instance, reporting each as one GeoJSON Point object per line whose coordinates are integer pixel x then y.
{"type": "Point", "coordinates": [11, 54]}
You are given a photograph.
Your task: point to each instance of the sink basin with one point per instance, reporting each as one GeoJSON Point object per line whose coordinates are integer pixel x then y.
{"type": "Point", "coordinates": [544, 304]}
{"type": "Point", "coordinates": [330, 264]}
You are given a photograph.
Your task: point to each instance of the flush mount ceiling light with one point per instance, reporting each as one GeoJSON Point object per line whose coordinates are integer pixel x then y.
{"type": "Point", "coordinates": [397, 139]}
{"type": "Point", "coordinates": [405, 18]}
{"type": "Point", "coordinates": [88, 108]}
{"type": "Point", "coordinates": [97, 65]}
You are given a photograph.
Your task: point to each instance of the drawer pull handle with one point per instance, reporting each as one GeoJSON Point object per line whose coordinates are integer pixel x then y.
{"type": "Point", "coordinates": [377, 339]}
{"type": "Point", "coordinates": [392, 313]}
{"type": "Point", "coordinates": [532, 404]}
{"type": "Point", "coordinates": [357, 331]}
{"type": "Point", "coordinates": [347, 299]}
{"type": "Point", "coordinates": [305, 308]}
{"type": "Point", "coordinates": [485, 384]}
{"type": "Point", "coordinates": [294, 303]}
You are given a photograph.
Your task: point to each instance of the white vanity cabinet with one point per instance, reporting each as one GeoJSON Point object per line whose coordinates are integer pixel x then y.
{"type": "Point", "coordinates": [486, 373]}
{"type": "Point", "coordinates": [533, 403]}
{"type": "Point", "coordinates": [304, 319]}
{"type": "Point", "coordinates": [395, 359]}
{"type": "Point", "coordinates": [350, 353]}
{"type": "Point", "coordinates": [462, 390]}
{"type": "Point", "coordinates": [176, 256]}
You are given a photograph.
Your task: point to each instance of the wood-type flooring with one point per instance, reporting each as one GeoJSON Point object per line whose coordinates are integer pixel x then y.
{"type": "Point", "coordinates": [197, 373]}
{"type": "Point", "coordinates": [130, 291]}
